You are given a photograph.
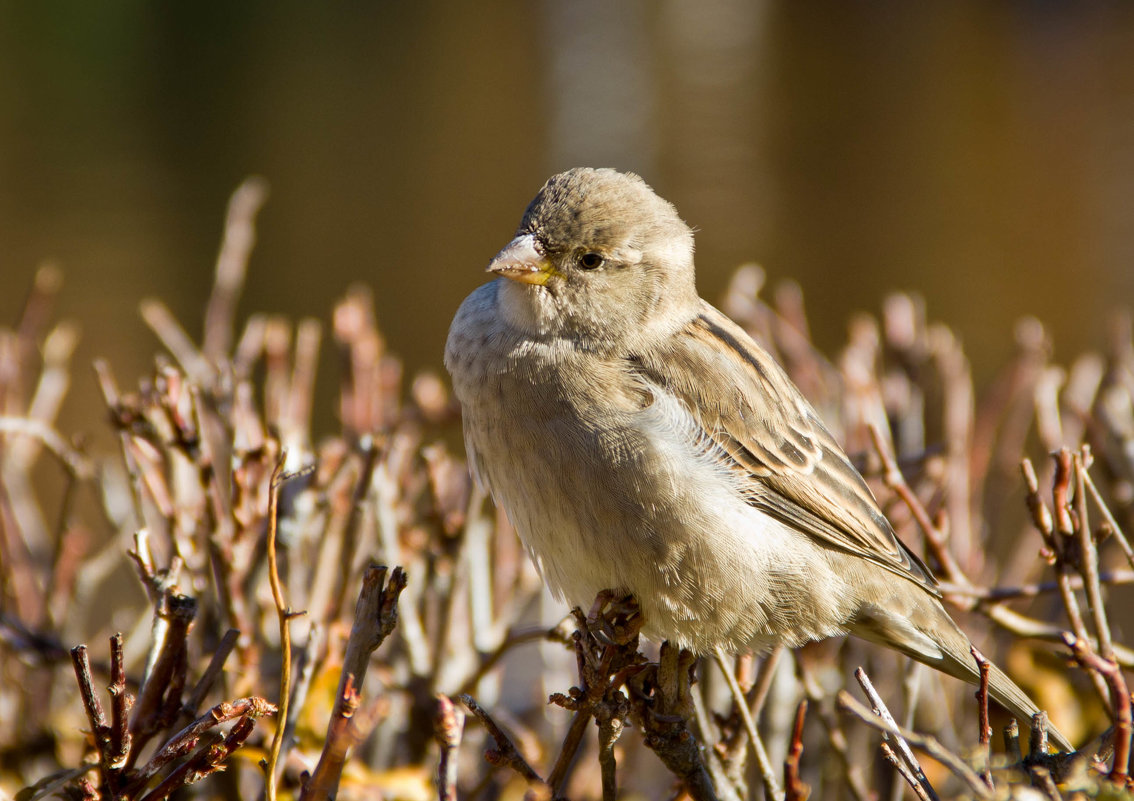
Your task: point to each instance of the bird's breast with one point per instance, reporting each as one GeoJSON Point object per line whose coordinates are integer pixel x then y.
{"type": "Point", "coordinates": [612, 484]}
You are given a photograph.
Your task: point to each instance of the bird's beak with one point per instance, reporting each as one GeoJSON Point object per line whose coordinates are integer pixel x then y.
{"type": "Point", "coordinates": [522, 260]}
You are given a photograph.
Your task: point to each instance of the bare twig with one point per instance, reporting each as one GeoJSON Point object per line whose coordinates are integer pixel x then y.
{"type": "Point", "coordinates": [888, 725]}
{"type": "Point", "coordinates": [1012, 742]}
{"type": "Point", "coordinates": [96, 716]}
{"type": "Point", "coordinates": [1115, 529]}
{"type": "Point", "coordinates": [375, 616]}
{"type": "Point", "coordinates": [75, 462]}
{"type": "Point", "coordinates": [606, 653]}
{"type": "Point", "coordinates": [610, 728]}
{"type": "Point", "coordinates": [985, 735]}
{"type": "Point", "coordinates": [794, 787]}
{"type": "Point", "coordinates": [934, 538]}
{"type": "Point", "coordinates": [207, 760]}
{"type": "Point", "coordinates": [284, 614]}
{"type": "Point", "coordinates": [1106, 578]}
{"type": "Point", "coordinates": [341, 737]}
{"type": "Point", "coordinates": [186, 740]}
{"type": "Point", "coordinates": [211, 674]}
{"type": "Point", "coordinates": [370, 449]}
{"type": "Point", "coordinates": [904, 771]}
{"type": "Point", "coordinates": [1120, 700]}
{"type": "Point", "coordinates": [1024, 626]}
{"type": "Point", "coordinates": [120, 703]}
{"type": "Point", "coordinates": [1057, 529]}
{"type": "Point", "coordinates": [159, 698]}
{"type": "Point", "coordinates": [232, 265]}
{"type": "Point", "coordinates": [757, 695]}
{"type": "Point", "coordinates": [163, 323]}
{"type": "Point", "coordinates": [447, 729]}
{"type": "Point", "coordinates": [758, 751]}
{"type": "Point", "coordinates": [662, 714]}
{"type": "Point", "coordinates": [306, 664]}
{"type": "Point", "coordinates": [506, 753]}
{"type": "Point", "coordinates": [927, 744]}
{"type": "Point", "coordinates": [1088, 561]}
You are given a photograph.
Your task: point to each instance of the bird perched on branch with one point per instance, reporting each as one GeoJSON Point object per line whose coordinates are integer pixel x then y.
{"type": "Point", "coordinates": [641, 442]}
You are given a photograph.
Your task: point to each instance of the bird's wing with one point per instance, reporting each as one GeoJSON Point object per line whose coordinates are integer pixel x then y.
{"type": "Point", "coordinates": [788, 464]}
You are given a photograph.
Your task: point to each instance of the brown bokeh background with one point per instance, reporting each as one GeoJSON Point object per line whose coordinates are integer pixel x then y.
{"type": "Point", "coordinates": [981, 154]}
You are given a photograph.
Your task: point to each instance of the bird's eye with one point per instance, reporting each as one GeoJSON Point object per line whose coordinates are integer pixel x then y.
{"type": "Point", "coordinates": [590, 260]}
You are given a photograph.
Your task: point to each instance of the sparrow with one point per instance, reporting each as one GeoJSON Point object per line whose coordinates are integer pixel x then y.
{"type": "Point", "coordinates": [642, 443]}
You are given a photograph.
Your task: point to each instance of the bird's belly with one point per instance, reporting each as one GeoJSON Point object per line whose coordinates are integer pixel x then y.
{"type": "Point", "coordinates": [616, 508]}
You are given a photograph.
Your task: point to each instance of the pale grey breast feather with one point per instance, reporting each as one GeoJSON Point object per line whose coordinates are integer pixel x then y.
{"type": "Point", "coordinates": [677, 431]}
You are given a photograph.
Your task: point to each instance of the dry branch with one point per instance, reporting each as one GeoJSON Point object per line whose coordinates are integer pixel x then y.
{"type": "Point", "coordinates": [190, 500]}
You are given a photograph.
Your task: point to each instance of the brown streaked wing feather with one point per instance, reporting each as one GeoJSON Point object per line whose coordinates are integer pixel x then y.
{"type": "Point", "coordinates": [800, 476]}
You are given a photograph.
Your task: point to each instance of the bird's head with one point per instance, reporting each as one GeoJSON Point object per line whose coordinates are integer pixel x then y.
{"type": "Point", "coordinates": [598, 257]}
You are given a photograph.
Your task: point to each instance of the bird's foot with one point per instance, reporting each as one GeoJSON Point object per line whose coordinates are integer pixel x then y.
{"type": "Point", "coordinates": [614, 618]}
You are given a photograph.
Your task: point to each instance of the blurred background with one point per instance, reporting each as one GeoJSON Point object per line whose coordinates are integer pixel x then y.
{"type": "Point", "coordinates": [981, 154]}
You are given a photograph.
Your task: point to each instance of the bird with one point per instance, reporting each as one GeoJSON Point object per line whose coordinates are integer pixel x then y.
{"type": "Point", "coordinates": [642, 443]}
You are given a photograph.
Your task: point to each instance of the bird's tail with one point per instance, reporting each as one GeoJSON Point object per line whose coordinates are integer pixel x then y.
{"type": "Point", "coordinates": [930, 636]}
